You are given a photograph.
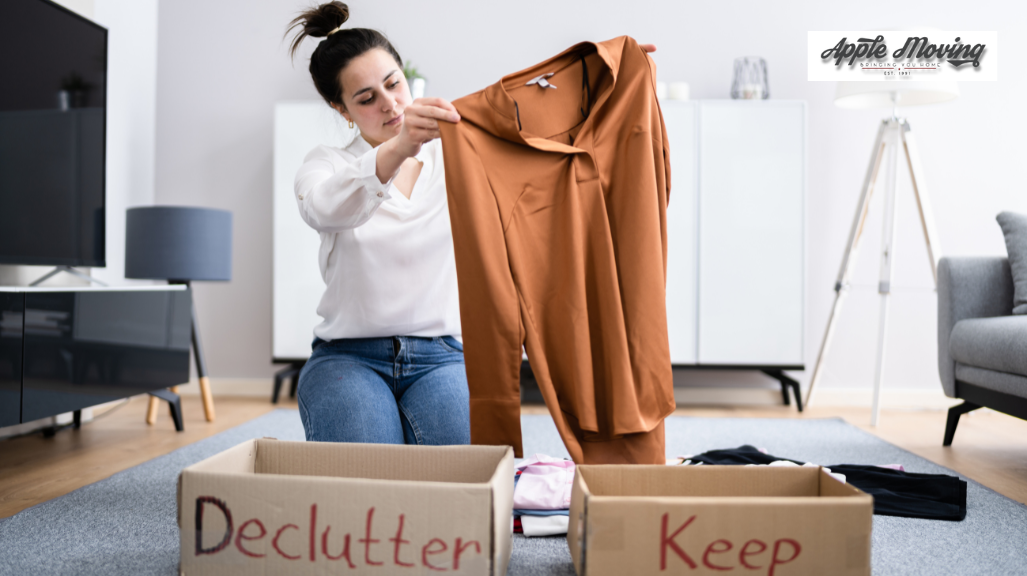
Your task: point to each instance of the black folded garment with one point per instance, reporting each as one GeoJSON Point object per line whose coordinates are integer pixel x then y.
{"type": "Point", "coordinates": [896, 493]}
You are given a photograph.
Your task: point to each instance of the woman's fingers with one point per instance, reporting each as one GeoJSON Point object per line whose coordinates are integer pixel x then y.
{"type": "Point", "coordinates": [438, 102]}
{"type": "Point", "coordinates": [418, 121]}
{"type": "Point", "coordinates": [434, 108]}
{"type": "Point", "coordinates": [421, 129]}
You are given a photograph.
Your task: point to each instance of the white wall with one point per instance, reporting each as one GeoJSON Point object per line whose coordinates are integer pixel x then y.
{"type": "Point", "coordinates": [223, 64]}
{"type": "Point", "coordinates": [131, 119]}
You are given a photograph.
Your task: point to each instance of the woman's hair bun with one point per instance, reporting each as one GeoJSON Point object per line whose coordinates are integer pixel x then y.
{"type": "Point", "coordinates": [317, 22]}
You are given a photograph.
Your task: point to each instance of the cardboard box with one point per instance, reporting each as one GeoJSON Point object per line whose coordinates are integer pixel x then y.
{"type": "Point", "coordinates": [753, 520]}
{"type": "Point", "coordinates": [275, 507]}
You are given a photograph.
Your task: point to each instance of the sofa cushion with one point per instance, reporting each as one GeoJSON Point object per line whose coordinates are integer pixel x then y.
{"type": "Point", "coordinates": [998, 343]}
{"type": "Point", "coordinates": [1014, 229]}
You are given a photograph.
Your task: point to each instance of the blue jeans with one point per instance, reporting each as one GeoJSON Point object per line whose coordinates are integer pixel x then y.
{"type": "Point", "coordinates": [398, 390]}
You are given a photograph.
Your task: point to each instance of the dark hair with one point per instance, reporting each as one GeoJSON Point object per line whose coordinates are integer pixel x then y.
{"type": "Point", "coordinates": [336, 50]}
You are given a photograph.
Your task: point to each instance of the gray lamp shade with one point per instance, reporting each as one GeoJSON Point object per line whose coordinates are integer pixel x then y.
{"type": "Point", "coordinates": [178, 243]}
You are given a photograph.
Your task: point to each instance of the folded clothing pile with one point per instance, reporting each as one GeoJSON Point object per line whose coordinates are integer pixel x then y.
{"type": "Point", "coordinates": [542, 495]}
{"type": "Point", "coordinates": [895, 491]}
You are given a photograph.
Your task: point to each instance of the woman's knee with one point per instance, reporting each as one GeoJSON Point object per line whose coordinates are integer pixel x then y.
{"type": "Point", "coordinates": [437, 409]}
{"type": "Point", "coordinates": [345, 401]}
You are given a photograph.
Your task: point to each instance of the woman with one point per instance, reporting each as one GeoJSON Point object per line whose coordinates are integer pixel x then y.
{"type": "Point", "coordinates": [387, 363]}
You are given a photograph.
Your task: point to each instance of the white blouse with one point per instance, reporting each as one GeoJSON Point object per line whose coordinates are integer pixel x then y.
{"type": "Point", "coordinates": [387, 261]}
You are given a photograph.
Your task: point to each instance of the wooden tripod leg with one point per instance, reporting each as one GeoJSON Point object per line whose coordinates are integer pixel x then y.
{"type": "Point", "coordinates": [201, 371]}
{"type": "Point", "coordinates": [923, 200]}
{"type": "Point", "coordinates": [849, 257]}
{"type": "Point", "coordinates": [151, 410]}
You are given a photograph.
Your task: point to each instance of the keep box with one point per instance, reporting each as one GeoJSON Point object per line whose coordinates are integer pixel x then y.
{"type": "Point", "coordinates": [269, 506]}
{"type": "Point", "coordinates": [752, 520]}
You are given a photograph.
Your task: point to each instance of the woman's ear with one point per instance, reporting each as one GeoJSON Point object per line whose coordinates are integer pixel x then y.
{"type": "Point", "coordinates": [342, 110]}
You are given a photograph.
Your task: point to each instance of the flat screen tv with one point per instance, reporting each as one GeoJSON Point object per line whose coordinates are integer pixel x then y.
{"type": "Point", "coordinates": [53, 108]}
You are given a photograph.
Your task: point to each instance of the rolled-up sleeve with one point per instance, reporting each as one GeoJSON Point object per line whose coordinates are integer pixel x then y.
{"type": "Point", "coordinates": [334, 195]}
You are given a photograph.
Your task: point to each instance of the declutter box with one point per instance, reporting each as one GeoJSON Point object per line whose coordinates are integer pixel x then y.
{"type": "Point", "coordinates": [753, 520]}
{"type": "Point", "coordinates": [270, 506]}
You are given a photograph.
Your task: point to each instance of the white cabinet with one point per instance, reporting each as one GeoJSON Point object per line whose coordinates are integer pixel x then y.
{"type": "Point", "coordinates": [736, 232]}
{"type": "Point", "coordinates": [682, 232]}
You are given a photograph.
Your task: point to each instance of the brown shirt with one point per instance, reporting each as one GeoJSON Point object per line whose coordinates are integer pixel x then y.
{"type": "Point", "coordinates": [557, 199]}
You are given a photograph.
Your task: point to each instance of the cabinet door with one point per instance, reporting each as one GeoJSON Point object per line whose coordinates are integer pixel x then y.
{"type": "Point", "coordinates": [83, 348]}
{"type": "Point", "coordinates": [751, 232]}
{"type": "Point", "coordinates": [682, 230]}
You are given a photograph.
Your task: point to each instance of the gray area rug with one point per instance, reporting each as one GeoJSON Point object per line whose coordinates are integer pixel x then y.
{"type": "Point", "coordinates": [126, 523]}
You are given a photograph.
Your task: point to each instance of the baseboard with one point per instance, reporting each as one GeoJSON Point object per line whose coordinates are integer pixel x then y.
{"type": "Point", "coordinates": [896, 398]}
{"type": "Point", "coordinates": [249, 387]}
{"type": "Point", "coordinates": [899, 398]}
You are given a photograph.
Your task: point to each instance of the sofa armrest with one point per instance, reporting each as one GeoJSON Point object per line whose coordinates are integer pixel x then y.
{"type": "Point", "coordinates": [969, 287]}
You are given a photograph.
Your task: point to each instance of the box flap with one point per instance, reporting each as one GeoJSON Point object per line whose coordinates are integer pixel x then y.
{"type": "Point", "coordinates": [473, 464]}
{"type": "Point", "coordinates": [704, 481]}
{"type": "Point", "coordinates": [238, 459]}
{"type": "Point", "coordinates": [831, 486]}
{"type": "Point", "coordinates": [576, 521]}
{"type": "Point", "coordinates": [502, 483]}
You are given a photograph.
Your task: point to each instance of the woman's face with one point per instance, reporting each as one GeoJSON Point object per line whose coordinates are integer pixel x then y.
{"type": "Point", "coordinates": [374, 95]}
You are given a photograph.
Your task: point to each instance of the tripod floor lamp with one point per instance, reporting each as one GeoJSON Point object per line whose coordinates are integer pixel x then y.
{"type": "Point", "coordinates": [894, 134]}
{"type": "Point", "coordinates": [180, 244]}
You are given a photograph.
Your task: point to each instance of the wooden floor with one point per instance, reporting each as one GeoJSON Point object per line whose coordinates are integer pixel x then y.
{"type": "Point", "coordinates": [989, 447]}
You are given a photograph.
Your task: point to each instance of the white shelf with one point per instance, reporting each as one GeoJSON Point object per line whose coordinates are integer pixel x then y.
{"type": "Point", "coordinates": [161, 288]}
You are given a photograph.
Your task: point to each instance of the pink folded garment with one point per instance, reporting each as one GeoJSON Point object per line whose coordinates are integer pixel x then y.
{"type": "Point", "coordinates": [545, 483]}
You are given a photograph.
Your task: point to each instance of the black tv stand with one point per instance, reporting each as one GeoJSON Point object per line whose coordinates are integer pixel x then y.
{"type": "Point", "coordinates": [71, 347]}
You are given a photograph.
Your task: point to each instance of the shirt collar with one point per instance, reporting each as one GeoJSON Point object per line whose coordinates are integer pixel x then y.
{"type": "Point", "coordinates": [499, 116]}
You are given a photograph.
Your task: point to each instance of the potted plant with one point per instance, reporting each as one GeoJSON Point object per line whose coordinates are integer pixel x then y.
{"type": "Point", "coordinates": [74, 92]}
{"type": "Point", "coordinates": [415, 80]}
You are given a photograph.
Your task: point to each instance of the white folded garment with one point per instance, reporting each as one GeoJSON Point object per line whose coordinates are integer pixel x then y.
{"type": "Point", "coordinates": [544, 525]}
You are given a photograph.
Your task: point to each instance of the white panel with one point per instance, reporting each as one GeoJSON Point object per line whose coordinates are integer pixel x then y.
{"type": "Point", "coordinates": [751, 205]}
{"type": "Point", "coordinates": [682, 230]}
{"type": "Point", "coordinates": [297, 284]}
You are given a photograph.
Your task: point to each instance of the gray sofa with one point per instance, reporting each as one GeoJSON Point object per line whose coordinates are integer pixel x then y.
{"type": "Point", "coordinates": [982, 347]}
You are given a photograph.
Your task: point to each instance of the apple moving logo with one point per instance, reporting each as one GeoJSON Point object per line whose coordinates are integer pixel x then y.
{"type": "Point", "coordinates": [918, 47]}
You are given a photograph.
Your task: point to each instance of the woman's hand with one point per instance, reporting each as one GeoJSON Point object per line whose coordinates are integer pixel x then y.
{"type": "Point", "coordinates": [421, 123]}
{"type": "Point", "coordinates": [648, 47]}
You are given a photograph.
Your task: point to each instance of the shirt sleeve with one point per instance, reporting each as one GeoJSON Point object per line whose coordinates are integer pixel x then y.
{"type": "Point", "coordinates": [333, 198]}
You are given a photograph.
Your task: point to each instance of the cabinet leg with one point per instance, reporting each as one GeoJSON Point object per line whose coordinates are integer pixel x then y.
{"type": "Point", "coordinates": [174, 403]}
{"type": "Point", "coordinates": [786, 384]}
{"type": "Point", "coordinates": [291, 373]}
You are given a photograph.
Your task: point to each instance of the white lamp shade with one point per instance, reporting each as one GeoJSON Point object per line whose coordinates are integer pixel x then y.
{"type": "Point", "coordinates": [879, 94]}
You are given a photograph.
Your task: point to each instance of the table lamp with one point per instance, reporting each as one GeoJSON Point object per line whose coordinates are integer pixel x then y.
{"type": "Point", "coordinates": [892, 132]}
{"type": "Point", "coordinates": [180, 244]}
